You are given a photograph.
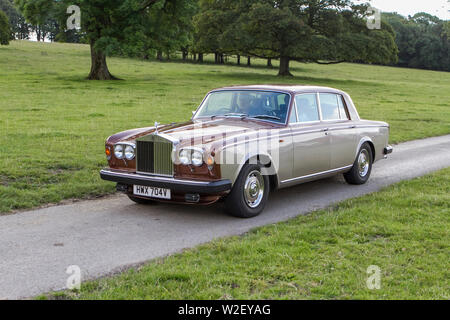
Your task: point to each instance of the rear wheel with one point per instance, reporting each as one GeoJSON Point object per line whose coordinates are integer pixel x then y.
{"type": "Point", "coordinates": [141, 200]}
{"type": "Point", "coordinates": [362, 168]}
{"type": "Point", "coordinates": [249, 195]}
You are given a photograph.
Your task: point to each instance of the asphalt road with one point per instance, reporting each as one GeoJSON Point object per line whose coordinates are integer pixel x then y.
{"type": "Point", "coordinates": [104, 236]}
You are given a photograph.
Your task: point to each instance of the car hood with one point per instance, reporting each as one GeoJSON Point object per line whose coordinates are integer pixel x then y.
{"type": "Point", "coordinates": [201, 132]}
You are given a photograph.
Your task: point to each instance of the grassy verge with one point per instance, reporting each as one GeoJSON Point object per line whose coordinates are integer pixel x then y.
{"type": "Point", "coordinates": [404, 230]}
{"type": "Point", "coordinates": [53, 122]}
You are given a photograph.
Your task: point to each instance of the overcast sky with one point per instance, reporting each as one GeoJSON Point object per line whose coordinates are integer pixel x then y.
{"type": "Point", "coordinates": [438, 8]}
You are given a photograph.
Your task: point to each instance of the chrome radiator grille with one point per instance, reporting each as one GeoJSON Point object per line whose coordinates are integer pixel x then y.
{"type": "Point", "coordinates": [154, 156]}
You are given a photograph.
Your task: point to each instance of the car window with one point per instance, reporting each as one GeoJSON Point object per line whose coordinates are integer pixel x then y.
{"type": "Point", "coordinates": [307, 107]}
{"type": "Point", "coordinates": [329, 105]}
{"type": "Point", "coordinates": [218, 102]}
{"type": "Point", "coordinates": [342, 109]}
{"type": "Point", "coordinates": [271, 106]}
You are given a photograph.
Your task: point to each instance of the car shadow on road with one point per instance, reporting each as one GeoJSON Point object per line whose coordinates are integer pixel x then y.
{"type": "Point", "coordinates": [288, 202]}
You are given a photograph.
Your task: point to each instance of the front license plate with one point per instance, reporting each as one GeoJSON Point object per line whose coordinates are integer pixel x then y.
{"type": "Point", "coordinates": [152, 192]}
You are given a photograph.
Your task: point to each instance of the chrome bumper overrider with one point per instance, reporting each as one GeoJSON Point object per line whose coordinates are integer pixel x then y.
{"type": "Point", "coordinates": [388, 150]}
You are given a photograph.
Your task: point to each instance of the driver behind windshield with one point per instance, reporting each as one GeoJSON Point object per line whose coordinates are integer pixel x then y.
{"type": "Point", "coordinates": [247, 105]}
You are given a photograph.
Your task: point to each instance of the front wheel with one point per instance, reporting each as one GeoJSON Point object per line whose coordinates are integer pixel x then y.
{"type": "Point", "coordinates": [362, 168]}
{"type": "Point", "coordinates": [249, 195]}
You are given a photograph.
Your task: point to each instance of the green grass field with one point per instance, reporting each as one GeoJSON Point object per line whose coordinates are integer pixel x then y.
{"type": "Point", "coordinates": [404, 230]}
{"type": "Point", "coordinates": [53, 122]}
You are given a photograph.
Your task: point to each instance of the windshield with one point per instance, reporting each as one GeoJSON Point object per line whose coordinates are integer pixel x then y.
{"type": "Point", "coordinates": [271, 106]}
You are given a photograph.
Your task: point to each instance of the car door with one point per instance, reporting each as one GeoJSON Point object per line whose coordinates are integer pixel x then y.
{"type": "Point", "coordinates": [342, 132]}
{"type": "Point", "coordinates": [310, 138]}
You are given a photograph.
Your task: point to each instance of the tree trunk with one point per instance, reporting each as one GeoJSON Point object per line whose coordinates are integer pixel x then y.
{"type": "Point", "coordinates": [185, 55]}
{"type": "Point", "coordinates": [146, 55]}
{"type": "Point", "coordinates": [200, 57]}
{"type": "Point", "coordinates": [284, 67]}
{"type": "Point", "coordinates": [239, 59]}
{"type": "Point", "coordinates": [269, 63]}
{"type": "Point", "coordinates": [249, 61]}
{"type": "Point", "coordinates": [99, 68]}
{"type": "Point", "coordinates": [159, 55]}
{"type": "Point", "coordinates": [222, 61]}
{"type": "Point", "coordinates": [216, 58]}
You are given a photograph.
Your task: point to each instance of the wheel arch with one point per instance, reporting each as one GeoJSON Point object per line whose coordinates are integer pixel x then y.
{"type": "Point", "coordinates": [267, 161]}
{"type": "Point", "coordinates": [369, 141]}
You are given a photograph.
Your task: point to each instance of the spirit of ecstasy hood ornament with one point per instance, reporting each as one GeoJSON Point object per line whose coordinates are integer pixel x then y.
{"type": "Point", "coordinates": [156, 126]}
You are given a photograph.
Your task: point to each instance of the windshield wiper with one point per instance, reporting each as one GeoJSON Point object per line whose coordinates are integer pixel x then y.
{"type": "Point", "coordinates": [265, 116]}
{"type": "Point", "coordinates": [241, 115]}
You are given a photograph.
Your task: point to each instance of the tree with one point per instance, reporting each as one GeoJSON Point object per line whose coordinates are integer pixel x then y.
{"type": "Point", "coordinates": [5, 29]}
{"type": "Point", "coordinates": [320, 31]}
{"type": "Point", "coordinates": [209, 25]}
{"type": "Point", "coordinates": [215, 30]}
{"type": "Point", "coordinates": [423, 41]}
{"type": "Point", "coordinates": [166, 31]}
{"type": "Point", "coordinates": [325, 32]}
{"type": "Point", "coordinates": [107, 24]}
{"type": "Point", "coordinates": [20, 28]}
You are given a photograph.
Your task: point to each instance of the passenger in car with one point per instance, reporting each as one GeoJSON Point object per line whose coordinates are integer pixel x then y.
{"type": "Point", "coordinates": [307, 111]}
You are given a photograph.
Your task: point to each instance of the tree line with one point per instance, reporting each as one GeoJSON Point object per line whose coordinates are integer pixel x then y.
{"type": "Point", "coordinates": [315, 31]}
{"type": "Point", "coordinates": [423, 41]}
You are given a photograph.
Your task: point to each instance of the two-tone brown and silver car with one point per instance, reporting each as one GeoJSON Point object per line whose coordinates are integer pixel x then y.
{"type": "Point", "coordinates": [242, 143]}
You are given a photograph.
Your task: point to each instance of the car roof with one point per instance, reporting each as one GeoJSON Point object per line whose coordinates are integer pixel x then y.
{"type": "Point", "coordinates": [293, 89]}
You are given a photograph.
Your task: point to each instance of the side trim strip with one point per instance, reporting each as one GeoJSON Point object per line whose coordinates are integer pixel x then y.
{"type": "Point", "coordinates": [317, 174]}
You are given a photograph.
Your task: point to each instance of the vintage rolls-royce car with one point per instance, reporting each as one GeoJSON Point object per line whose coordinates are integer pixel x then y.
{"type": "Point", "coordinates": [242, 143]}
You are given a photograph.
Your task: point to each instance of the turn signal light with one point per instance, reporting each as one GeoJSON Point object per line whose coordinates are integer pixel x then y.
{"type": "Point", "coordinates": [108, 153]}
{"type": "Point", "coordinates": [210, 161]}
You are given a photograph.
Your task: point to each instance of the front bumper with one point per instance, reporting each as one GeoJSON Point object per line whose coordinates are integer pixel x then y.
{"type": "Point", "coordinates": [176, 185]}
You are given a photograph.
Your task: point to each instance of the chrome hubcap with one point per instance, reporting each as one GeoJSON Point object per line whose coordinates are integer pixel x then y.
{"type": "Point", "coordinates": [363, 163]}
{"type": "Point", "coordinates": [254, 189]}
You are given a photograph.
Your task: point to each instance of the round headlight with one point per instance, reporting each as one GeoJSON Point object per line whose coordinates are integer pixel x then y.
{"type": "Point", "coordinates": [118, 151]}
{"type": "Point", "coordinates": [185, 157]}
{"type": "Point", "coordinates": [129, 152]}
{"type": "Point", "coordinates": [197, 158]}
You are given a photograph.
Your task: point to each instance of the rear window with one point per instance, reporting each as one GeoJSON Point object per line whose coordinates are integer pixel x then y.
{"type": "Point", "coordinates": [342, 109]}
{"type": "Point", "coordinates": [330, 106]}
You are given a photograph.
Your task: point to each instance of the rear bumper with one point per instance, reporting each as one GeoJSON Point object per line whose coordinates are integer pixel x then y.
{"type": "Point", "coordinates": [176, 185]}
{"type": "Point", "coordinates": [388, 150]}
